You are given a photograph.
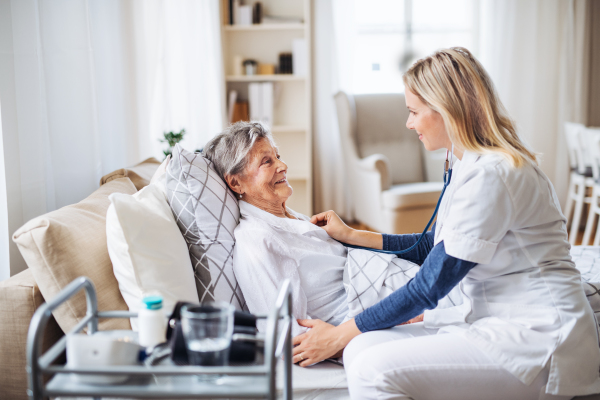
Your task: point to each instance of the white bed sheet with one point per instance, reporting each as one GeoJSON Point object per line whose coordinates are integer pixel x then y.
{"type": "Point", "coordinates": [324, 380]}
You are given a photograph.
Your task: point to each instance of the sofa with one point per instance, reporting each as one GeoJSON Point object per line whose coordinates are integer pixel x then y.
{"type": "Point", "coordinates": [58, 247]}
{"type": "Point", "coordinates": [71, 242]}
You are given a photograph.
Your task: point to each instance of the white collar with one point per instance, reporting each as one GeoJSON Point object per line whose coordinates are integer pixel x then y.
{"type": "Point", "coordinates": [469, 158]}
{"type": "Point", "coordinates": [299, 225]}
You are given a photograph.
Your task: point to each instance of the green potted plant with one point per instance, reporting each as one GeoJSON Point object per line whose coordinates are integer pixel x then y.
{"type": "Point", "coordinates": [172, 138]}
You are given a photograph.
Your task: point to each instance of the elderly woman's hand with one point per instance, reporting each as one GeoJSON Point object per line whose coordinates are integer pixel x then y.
{"type": "Point", "coordinates": [337, 229]}
{"type": "Point", "coordinates": [333, 225]}
{"type": "Point", "coordinates": [322, 341]}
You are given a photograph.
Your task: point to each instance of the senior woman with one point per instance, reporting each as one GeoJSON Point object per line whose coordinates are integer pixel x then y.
{"type": "Point", "coordinates": [272, 241]}
{"type": "Point", "coordinates": [524, 329]}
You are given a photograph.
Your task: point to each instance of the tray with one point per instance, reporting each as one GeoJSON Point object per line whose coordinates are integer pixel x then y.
{"type": "Point", "coordinates": [165, 380]}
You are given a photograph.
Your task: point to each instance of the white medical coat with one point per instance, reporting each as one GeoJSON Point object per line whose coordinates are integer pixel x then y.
{"type": "Point", "coordinates": [523, 304]}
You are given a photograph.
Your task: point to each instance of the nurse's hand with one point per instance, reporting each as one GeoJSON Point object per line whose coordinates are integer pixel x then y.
{"type": "Point", "coordinates": [333, 225]}
{"type": "Point", "coordinates": [418, 318]}
{"type": "Point", "coordinates": [322, 341]}
{"type": "Point", "coordinates": [337, 229]}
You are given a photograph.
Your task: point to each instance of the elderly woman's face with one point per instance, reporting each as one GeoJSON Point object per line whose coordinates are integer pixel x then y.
{"type": "Point", "coordinates": [264, 180]}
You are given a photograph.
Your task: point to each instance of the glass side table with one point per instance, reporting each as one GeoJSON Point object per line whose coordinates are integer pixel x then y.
{"type": "Point", "coordinates": [165, 380]}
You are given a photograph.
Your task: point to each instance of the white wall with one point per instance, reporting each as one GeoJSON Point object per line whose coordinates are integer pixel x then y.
{"type": "Point", "coordinates": [4, 233]}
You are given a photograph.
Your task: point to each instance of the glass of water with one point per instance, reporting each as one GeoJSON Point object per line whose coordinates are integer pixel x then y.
{"type": "Point", "coordinates": [207, 329]}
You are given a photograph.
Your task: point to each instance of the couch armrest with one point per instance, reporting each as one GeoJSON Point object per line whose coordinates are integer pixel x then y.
{"type": "Point", "coordinates": [20, 297]}
{"type": "Point", "coordinates": [377, 163]}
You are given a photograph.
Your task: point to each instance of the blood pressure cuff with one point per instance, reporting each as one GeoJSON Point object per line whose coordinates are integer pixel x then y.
{"type": "Point", "coordinates": [239, 351]}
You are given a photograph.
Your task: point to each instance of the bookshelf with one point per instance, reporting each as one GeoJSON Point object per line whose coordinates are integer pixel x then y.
{"type": "Point", "coordinates": [292, 111]}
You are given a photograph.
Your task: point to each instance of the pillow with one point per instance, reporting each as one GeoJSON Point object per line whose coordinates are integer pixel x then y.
{"type": "Point", "coordinates": [159, 177]}
{"type": "Point", "coordinates": [71, 242]}
{"type": "Point", "coordinates": [206, 212]}
{"type": "Point", "coordinates": [140, 174]}
{"type": "Point", "coordinates": [147, 250]}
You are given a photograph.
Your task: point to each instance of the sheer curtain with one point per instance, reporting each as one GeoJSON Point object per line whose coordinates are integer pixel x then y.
{"type": "Point", "coordinates": [89, 86]}
{"type": "Point", "coordinates": [334, 29]}
{"type": "Point", "coordinates": [537, 53]}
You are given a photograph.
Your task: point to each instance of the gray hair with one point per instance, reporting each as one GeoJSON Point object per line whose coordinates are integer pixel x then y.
{"type": "Point", "coordinates": [229, 151]}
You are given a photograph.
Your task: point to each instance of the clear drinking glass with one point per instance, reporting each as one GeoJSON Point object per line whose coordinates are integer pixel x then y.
{"type": "Point", "coordinates": [207, 329]}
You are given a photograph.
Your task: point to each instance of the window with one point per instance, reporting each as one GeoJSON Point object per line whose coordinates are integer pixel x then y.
{"type": "Point", "coordinates": [392, 34]}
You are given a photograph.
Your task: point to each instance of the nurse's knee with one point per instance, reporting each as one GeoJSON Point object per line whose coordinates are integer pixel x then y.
{"type": "Point", "coordinates": [359, 369]}
{"type": "Point", "coordinates": [357, 346]}
{"type": "Point", "coordinates": [364, 374]}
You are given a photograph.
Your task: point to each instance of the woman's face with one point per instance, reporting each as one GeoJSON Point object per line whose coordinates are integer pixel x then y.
{"type": "Point", "coordinates": [427, 122]}
{"type": "Point", "coordinates": [264, 182]}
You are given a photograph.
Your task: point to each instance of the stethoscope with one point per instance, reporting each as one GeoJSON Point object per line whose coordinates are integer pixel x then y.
{"type": "Point", "coordinates": [448, 164]}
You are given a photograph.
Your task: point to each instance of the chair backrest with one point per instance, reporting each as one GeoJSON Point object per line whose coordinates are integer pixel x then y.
{"type": "Point", "coordinates": [574, 135]}
{"type": "Point", "coordinates": [380, 128]}
{"type": "Point", "coordinates": [591, 140]}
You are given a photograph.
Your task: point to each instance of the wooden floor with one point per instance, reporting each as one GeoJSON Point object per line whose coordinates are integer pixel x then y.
{"type": "Point", "coordinates": [360, 227]}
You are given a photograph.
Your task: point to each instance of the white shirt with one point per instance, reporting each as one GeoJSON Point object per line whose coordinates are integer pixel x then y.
{"type": "Point", "coordinates": [270, 249]}
{"type": "Point", "coordinates": [523, 304]}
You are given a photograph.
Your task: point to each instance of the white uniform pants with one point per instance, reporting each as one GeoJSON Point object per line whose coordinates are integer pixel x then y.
{"type": "Point", "coordinates": [411, 362]}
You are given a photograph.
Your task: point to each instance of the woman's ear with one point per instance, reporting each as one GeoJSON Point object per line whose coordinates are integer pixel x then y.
{"type": "Point", "coordinates": [234, 183]}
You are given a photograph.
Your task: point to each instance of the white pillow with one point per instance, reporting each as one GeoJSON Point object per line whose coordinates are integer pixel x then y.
{"type": "Point", "coordinates": [147, 251]}
{"type": "Point", "coordinates": [159, 177]}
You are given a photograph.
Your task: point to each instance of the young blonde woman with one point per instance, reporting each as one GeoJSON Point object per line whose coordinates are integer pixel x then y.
{"type": "Point", "coordinates": [524, 329]}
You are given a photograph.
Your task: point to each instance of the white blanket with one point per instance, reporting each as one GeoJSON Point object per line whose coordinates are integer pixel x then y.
{"type": "Point", "coordinates": [369, 277]}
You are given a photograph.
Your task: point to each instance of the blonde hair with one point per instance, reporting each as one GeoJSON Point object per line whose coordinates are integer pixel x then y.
{"type": "Point", "coordinates": [453, 83]}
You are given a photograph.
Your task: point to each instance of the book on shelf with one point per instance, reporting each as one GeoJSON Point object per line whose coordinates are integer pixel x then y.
{"type": "Point", "coordinates": [245, 14]}
{"type": "Point", "coordinates": [240, 112]}
{"type": "Point", "coordinates": [260, 98]}
{"type": "Point", "coordinates": [231, 102]}
{"type": "Point", "coordinates": [239, 14]}
{"type": "Point", "coordinates": [299, 61]}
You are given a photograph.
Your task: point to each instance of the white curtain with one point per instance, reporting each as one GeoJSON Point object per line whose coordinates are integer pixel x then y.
{"type": "Point", "coordinates": [179, 71]}
{"type": "Point", "coordinates": [334, 30]}
{"type": "Point", "coordinates": [87, 87]}
{"type": "Point", "coordinates": [537, 53]}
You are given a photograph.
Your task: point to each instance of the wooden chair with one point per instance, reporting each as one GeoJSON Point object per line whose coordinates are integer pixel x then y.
{"type": "Point", "coordinates": [581, 176]}
{"type": "Point", "coordinates": [591, 138]}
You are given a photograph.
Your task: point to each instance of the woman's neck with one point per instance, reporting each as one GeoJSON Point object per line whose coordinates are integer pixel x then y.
{"type": "Point", "coordinates": [277, 209]}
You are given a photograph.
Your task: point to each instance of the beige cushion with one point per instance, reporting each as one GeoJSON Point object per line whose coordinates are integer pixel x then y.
{"type": "Point", "coordinates": [71, 242]}
{"type": "Point", "coordinates": [19, 297]}
{"type": "Point", "coordinates": [140, 174]}
{"type": "Point", "coordinates": [410, 195]}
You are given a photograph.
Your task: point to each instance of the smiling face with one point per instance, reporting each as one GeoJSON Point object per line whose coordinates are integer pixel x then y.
{"type": "Point", "coordinates": [263, 183]}
{"type": "Point", "coordinates": [428, 123]}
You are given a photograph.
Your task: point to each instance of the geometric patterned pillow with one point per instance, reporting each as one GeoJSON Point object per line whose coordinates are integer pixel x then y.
{"type": "Point", "coordinates": [587, 261]}
{"type": "Point", "coordinates": [592, 292]}
{"type": "Point", "coordinates": [207, 213]}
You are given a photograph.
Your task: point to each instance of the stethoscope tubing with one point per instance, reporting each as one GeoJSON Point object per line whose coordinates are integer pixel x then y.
{"type": "Point", "coordinates": [447, 178]}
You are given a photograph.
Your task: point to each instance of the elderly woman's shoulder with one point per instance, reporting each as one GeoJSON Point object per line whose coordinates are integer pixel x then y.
{"type": "Point", "coordinates": [251, 226]}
